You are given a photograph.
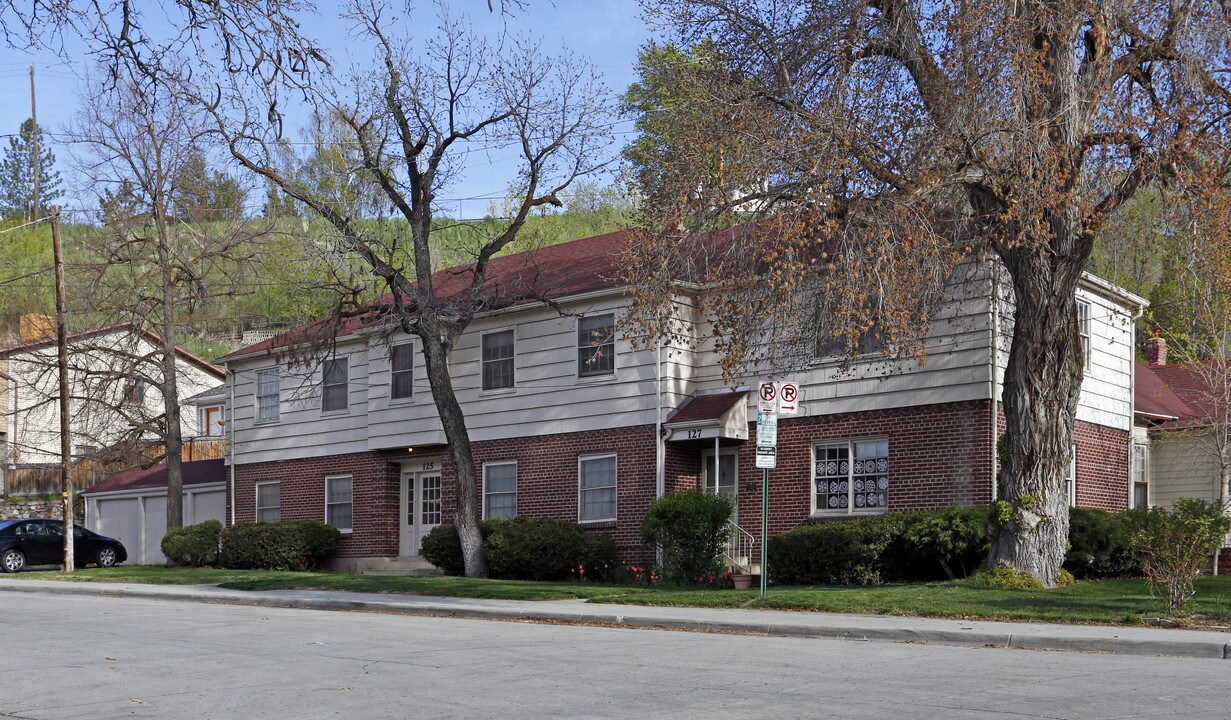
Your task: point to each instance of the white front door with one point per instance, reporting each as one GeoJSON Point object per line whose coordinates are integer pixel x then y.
{"type": "Point", "coordinates": [421, 504]}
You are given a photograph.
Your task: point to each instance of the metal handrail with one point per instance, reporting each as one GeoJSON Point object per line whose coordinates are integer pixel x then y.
{"type": "Point", "coordinates": [740, 545]}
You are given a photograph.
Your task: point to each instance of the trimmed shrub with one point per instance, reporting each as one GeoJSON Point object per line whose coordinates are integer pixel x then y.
{"type": "Point", "coordinates": [281, 545]}
{"type": "Point", "coordinates": [194, 545]}
{"type": "Point", "coordinates": [1100, 544]}
{"type": "Point", "coordinates": [442, 546]}
{"type": "Point", "coordinates": [955, 539]}
{"type": "Point", "coordinates": [837, 552]}
{"type": "Point", "coordinates": [691, 526]}
{"type": "Point", "coordinates": [536, 549]}
{"type": "Point", "coordinates": [527, 549]}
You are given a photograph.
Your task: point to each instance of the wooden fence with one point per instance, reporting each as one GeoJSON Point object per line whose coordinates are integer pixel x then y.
{"type": "Point", "coordinates": [37, 480]}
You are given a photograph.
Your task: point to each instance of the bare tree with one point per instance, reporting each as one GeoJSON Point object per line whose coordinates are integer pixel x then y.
{"type": "Point", "coordinates": [410, 121]}
{"type": "Point", "coordinates": [879, 121]}
{"type": "Point", "coordinates": [147, 265]}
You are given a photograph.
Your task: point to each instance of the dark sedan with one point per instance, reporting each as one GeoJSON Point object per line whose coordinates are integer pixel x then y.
{"type": "Point", "coordinates": [39, 541]}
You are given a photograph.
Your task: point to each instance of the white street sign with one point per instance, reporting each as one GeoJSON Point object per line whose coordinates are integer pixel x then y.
{"type": "Point", "coordinates": [767, 457]}
{"type": "Point", "coordinates": [767, 430]}
{"type": "Point", "coordinates": [788, 398]}
{"type": "Point", "coordinates": [767, 398]}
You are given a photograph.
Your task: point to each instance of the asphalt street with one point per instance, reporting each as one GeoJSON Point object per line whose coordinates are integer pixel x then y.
{"type": "Point", "coordinates": [96, 657]}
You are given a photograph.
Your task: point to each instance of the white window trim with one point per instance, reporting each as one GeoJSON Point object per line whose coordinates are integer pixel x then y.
{"type": "Point", "coordinates": [486, 465]}
{"type": "Point", "coordinates": [1071, 482]}
{"type": "Point", "coordinates": [596, 377]}
{"type": "Point", "coordinates": [482, 362]}
{"type": "Point", "coordinates": [277, 398]}
{"type": "Point", "coordinates": [340, 476]}
{"type": "Point", "coordinates": [847, 511]}
{"type": "Point", "coordinates": [1132, 483]}
{"type": "Point", "coordinates": [345, 359]}
{"type": "Point", "coordinates": [256, 513]}
{"type": "Point", "coordinates": [1084, 339]}
{"type": "Point", "coordinates": [411, 397]}
{"type": "Point", "coordinates": [616, 474]}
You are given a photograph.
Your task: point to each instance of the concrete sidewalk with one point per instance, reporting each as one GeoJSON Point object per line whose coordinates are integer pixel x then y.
{"type": "Point", "coordinates": [1034, 636]}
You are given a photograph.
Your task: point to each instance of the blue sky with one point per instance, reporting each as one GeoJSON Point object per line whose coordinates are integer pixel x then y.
{"type": "Point", "coordinates": [608, 32]}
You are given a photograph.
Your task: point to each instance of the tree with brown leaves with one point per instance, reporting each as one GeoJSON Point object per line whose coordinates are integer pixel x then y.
{"type": "Point", "coordinates": [865, 132]}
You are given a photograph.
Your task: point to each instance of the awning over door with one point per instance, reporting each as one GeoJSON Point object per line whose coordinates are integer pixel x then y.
{"type": "Point", "coordinates": [722, 415]}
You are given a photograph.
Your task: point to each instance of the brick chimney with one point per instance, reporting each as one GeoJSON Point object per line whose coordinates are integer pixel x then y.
{"type": "Point", "coordinates": [1156, 350]}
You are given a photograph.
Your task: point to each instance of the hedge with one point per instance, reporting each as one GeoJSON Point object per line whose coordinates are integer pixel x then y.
{"type": "Point", "coordinates": [691, 527]}
{"type": "Point", "coordinates": [527, 549]}
{"type": "Point", "coordinates": [194, 545]}
{"type": "Point", "coordinates": [280, 545]}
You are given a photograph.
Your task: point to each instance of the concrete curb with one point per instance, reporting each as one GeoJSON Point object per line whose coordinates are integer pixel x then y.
{"type": "Point", "coordinates": [1075, 638]}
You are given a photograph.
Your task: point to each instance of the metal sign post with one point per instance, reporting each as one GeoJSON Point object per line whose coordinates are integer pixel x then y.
{"type": "Point", "coordinates": [767, 458]}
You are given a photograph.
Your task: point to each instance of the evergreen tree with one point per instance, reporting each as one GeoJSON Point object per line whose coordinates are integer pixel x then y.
{"type": "Point", "coordinates": [17, 176]}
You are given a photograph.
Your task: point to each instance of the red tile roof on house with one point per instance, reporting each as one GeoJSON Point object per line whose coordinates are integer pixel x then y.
{"type": "Point", "coordinates": [707, 407]}
{"type": "Point", "coordinates": [196, 472]}
{"type": "Point", "coordinates": [548, 273]}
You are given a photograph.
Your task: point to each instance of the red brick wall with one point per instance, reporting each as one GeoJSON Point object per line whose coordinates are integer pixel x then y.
{"type": "Point", "coordinates": [939, 455]}
{"type": "Point", "coordinates": [375, 496]}
{"type": "Point", "coordinates": [1102, 466]}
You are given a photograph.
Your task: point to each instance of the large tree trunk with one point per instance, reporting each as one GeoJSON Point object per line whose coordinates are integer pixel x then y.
{"type": "Point", "coordinates": [435, 354]}
{"type": "Point", "coordinates": [1042, 385]}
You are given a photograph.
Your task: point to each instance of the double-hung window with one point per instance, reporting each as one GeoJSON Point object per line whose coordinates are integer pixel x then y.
{"type": "Point", "coordinates": [1141, 476]}
{"type": "Point", "coordinates": [596, 345]}
{"type": "Point", "coordinates": [268, 395]}
{"type": "Point", "coordinates": [498, 360]}
{"type": "Point", "coordinates": [335, 375]}
{"type": "Point", "coordinates": [596, 479]}
{"type": "Point", "coordinates": [402, 359]}
{"type": "Point", "coordinates": [851, 476]}
{"type": "Point", "coordinates": [500, 490]}
{"type": "Point", "coordinates": [134, 391]}
{"type": "Point", "coordinates": [1083, 330]}
{"type": "Point", "coordinates": [339, 504]}
{"type": "Point", "coordinates": [268, 501]}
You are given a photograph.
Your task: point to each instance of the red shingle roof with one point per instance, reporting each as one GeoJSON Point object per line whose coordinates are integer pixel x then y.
{"type": "Point", "coordinates": [547, 273]}
{"type": "Point", "coordinates": [707, 407]}
{"type": "Point", "coordinates": [196, 472]}
{"type": "Point", "coordinates": [1156, 399]}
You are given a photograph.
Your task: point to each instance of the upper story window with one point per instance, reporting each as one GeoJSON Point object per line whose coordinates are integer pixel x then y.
{"type": "Point", "coordinates": [851, 476]}
{"type": "Point", "coordinates": [498, 360]}
{"type": "Point", "coordinates": [134, 391]}
{"type": "Point", "coordinates": [335, 394]}
{"type": "Point", "coordinates": [268, 394]}
{"type": "Point", "coordinates": [402, 359]}
{"type": "Point", "coordinates": [596, 345]}
{"type": "Point", "coordinates": [1083, 330]}
{"type": "Point", "coordinates": [211, 420]}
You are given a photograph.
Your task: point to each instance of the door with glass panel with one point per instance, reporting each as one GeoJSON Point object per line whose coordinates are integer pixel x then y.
{"type": "Point", "coordinates": [726, 479]}
{"type": "Point", "coordinates": [421, 507]}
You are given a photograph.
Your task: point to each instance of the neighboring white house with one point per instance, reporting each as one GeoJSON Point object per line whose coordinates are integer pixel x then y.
{"type": "Point", "coordinates": [114, 381]}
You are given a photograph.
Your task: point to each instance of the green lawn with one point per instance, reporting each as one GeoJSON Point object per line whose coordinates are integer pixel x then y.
{"type": "Point", "coordinates": [1108, 601]}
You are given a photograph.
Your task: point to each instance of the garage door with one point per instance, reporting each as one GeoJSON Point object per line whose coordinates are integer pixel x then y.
{"type": "Point", "coordinates": [120, 518]}
{"type": "Point", "coordinates": [204, 506]}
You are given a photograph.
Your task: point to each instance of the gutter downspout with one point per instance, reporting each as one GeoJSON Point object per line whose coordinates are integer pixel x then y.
{"type": "Point", "coordinates": [660, 472]}
{"type": "Point", "coordinates": [231, 437]}
{"type": "Point", "coordinates": [994, 362]}
{"type": "Point", "coordinates": [1132, 409]}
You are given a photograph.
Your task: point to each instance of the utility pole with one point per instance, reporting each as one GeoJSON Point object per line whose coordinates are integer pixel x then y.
{"type": "Point", "coordinates": [66, 482]}
{"type": "Point", "coordinates": [34, 144]}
